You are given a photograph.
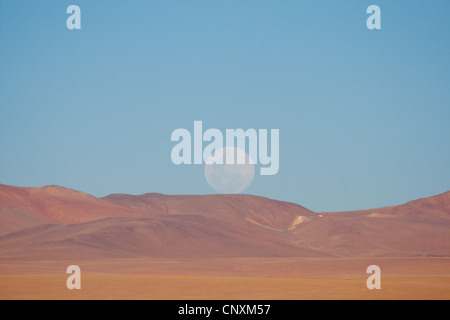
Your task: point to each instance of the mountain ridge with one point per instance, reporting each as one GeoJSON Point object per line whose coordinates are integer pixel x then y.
{"type": "Point", "coordinates": [51, 221]}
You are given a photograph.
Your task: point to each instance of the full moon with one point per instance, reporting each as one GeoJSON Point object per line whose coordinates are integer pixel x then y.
{"type": "Point", "coordinates": [227, 177]}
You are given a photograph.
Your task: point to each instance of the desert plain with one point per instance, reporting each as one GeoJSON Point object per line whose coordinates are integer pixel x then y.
{"type": "Point", "coordinates": [229, 278]}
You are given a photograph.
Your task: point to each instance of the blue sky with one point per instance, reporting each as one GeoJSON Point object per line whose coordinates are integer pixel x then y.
{"type": "Point", "coordinates": [363, 115]}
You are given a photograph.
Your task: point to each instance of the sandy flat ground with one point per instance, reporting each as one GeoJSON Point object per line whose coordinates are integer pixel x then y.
{"type": "Point", "coordinates": [232, 278]}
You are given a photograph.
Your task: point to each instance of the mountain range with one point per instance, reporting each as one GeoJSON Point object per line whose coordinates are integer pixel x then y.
{"type": "Point", "coordinates": [54, 222]}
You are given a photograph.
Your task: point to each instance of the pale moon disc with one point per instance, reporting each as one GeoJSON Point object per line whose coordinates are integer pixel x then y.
{"type": "Point", "coordinates": [231, 176]}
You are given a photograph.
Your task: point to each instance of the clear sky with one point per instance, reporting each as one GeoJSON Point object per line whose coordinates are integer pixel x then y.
{"type": "Point", "coordinates": [364, 115]}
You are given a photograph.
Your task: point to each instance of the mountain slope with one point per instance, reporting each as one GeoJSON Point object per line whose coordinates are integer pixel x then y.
{"type": "Point", "coordinates": [24, 207]}
{"type": "Point", "coordinates": [182, 236]}
{"type": "Point", "coordinates": [265, 212]}
{"type": "Point", "coordinates": [417, 228]}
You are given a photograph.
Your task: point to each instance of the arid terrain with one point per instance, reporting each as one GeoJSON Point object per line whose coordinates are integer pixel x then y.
{"type": "Point", "coordinates": [156, 246]}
